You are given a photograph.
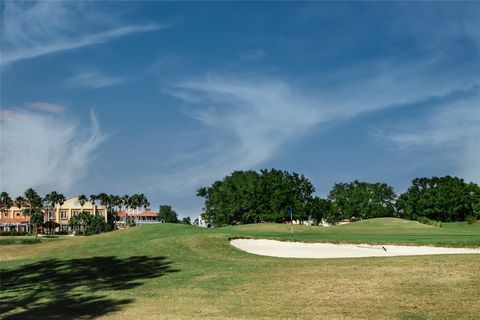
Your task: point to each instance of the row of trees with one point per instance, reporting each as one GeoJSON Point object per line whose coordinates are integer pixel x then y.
{"type": "Point", "coordinates": [39, 208]}
{"type": "Point", "coordinates": [270, 195]}
{"type": "Point", "coordinates": [116, 203]}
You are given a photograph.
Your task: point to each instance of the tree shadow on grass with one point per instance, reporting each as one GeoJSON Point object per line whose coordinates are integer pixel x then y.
{"type": "Point", "coordinates": [67, 289]}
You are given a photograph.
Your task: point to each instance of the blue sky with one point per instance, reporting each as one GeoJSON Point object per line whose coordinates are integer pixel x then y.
{"type": "Point", "coordinates": [161, 97]}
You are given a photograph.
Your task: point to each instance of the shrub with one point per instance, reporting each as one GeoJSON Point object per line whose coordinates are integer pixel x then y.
{"type": "Point", "coordinates": [12, 233]}
{"type": "Point", "coordinates": [429, 222]}
{"type": "Point", "coordinates": [19, 241]}
{"type": "Point", "coordinates": [471, 219]}
{"type": "Point", "coordinates": [98, 225]}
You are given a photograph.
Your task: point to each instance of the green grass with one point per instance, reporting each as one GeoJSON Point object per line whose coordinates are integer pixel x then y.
{"type": "Point", "coordinates": [183, 272]}
{"type": "Point", "coordinates": [8, 240]}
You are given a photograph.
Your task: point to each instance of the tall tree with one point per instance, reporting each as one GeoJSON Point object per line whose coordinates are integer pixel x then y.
{"type": "Point", "coordinates": [19, 201]}
{"type": "Point", "coordinates": [82, 199]}
{"type": "Point", "coordinates": [52, 204]}
{"type": "Point", "coordinates": [5, 203]}
{"type": "Point", "coordinates": [363, 200]}
{"type": "Point", "coordinates": [126, 203]}
{"type": "Point", "coordinates": [134, 204]}
{"type": "Point", "coordinates": [93, 199]}
{"type": "Point", "coordinates": [439, 198]}
{"type": "Point", "coordinates": [104, 199]}
{"type": "Point", "coordinates": [60, 201]}
{"type": "Point", "coordinates": [167, 215]}
{"type": "Point", "coordinates": [34, 211]}
{"type": "Point", "coordinates": [116, 203]}
{"type": "Point", "coordinates": [249, 196]}
{"type": "Point", "coordinates": [322, 209]}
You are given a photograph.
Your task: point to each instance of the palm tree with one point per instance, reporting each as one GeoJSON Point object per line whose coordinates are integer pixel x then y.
{"type": "Point", "coordinates": [34, 211]}
{"type": "Point", "coordinates": [82, 199]}
{"type": "Point", "coordinates": [116, 203]}
{"type": "Point", "coordinates": [138, 200]}
{"type": "Point", "coordinates": [134, 205]}
{"type": "Point", "coordinates": [19, 201]}
{"type": "Point", "coordinates": [50, 202]}
{"type": "Point", "coordinates": [60, 201]}
{"type": "Point", "coordinates": [5, 202]}
{"type": "Point", "coordinates": [145, 202]}
{"type": "Point", "coordinates": [142, 201]}
{"type": "Point", "coordinates": [126, 203]}
{"type": "Point", "coordinates": [104, 199]}
{"type": "Point", "coordinates": [75, 222]}
{"type": "Point", "coordinates": [93, 199]}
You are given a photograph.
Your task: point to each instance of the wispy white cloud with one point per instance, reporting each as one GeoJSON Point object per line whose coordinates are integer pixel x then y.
{"type": "Point", "coordinates": [44, 150]}
{"type": "Point", "coordinates": [94, 79]}
{"type": "Point", "coordinates": [32, 29]}
{"type": "Point", "coordinates": [252, 118]}
{"type": "Point", "coordinates": [453, 130]}
{"type": "Point", "coordinates": [46, 107]}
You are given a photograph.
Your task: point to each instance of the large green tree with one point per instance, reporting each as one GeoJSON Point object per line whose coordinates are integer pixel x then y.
{"type": "Point", "coordinates": [249, 197]}
{"type": "Point", "coordinates": [440, 198]}
{"type": "Point", "coordinates": [167, 215]}
{"type": "Point", "coordinates": [363, 200]}
{"type": "Point", "coordinates": [322, 210]}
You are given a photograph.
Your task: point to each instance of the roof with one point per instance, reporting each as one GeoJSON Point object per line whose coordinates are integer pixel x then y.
{"type": "Point", "coordinates": [138, 214]}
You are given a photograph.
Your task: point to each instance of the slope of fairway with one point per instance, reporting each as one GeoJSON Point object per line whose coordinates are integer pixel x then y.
{"type": "Point", "coordinates": [184, 272]}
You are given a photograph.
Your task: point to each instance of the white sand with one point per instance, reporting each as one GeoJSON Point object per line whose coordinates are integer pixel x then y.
{"type": "Point", "coordinates": [285, 249]}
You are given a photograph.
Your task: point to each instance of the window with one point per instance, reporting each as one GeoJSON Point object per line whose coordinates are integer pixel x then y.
{"type": "Point", "coordinates": [76, 213]}
{"type": "Point", "coordinates": [63, 214]}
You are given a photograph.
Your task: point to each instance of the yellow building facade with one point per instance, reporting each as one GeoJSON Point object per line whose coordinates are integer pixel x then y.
{"type": "Point", "coordinates": [14, 218]}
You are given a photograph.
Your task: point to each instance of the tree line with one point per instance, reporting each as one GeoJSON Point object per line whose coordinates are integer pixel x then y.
{"type": "Point", "coordinates": [273, 195]}
{"type": "Point", "coordinates": [39, 208]}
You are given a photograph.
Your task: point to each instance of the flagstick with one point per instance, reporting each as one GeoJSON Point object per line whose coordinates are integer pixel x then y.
{"type": "Point", "coordinates": [291, 219]}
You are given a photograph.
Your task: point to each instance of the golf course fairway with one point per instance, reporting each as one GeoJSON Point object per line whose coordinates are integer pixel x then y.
{"type": "Point", "coordinates": [174, 271]}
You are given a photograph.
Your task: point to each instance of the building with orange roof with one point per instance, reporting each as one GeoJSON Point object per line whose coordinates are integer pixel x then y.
{"type": "Point", "coordinates": [137, 216]}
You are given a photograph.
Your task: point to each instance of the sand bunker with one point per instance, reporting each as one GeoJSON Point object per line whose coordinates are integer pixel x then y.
{"type": "Point", "coordinates": [285, 249]}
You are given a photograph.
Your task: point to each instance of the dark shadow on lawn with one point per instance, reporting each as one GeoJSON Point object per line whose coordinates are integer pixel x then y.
{"type": "Point", "coordinates": [66, 289]}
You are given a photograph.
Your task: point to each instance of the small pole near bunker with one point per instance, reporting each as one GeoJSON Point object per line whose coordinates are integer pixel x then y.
{"type": "Point", "coordinates": [290, 210]}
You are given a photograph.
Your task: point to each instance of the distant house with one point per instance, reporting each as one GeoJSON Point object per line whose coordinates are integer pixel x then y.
{"type": "Point", "coordinates": [346, 220]}
{"type": "Point", "coordinates": [203, 223]}
{"type": "Point", "coordinates": [14, 218]}
{"type": "Point", "coordinates": [137, 216]}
